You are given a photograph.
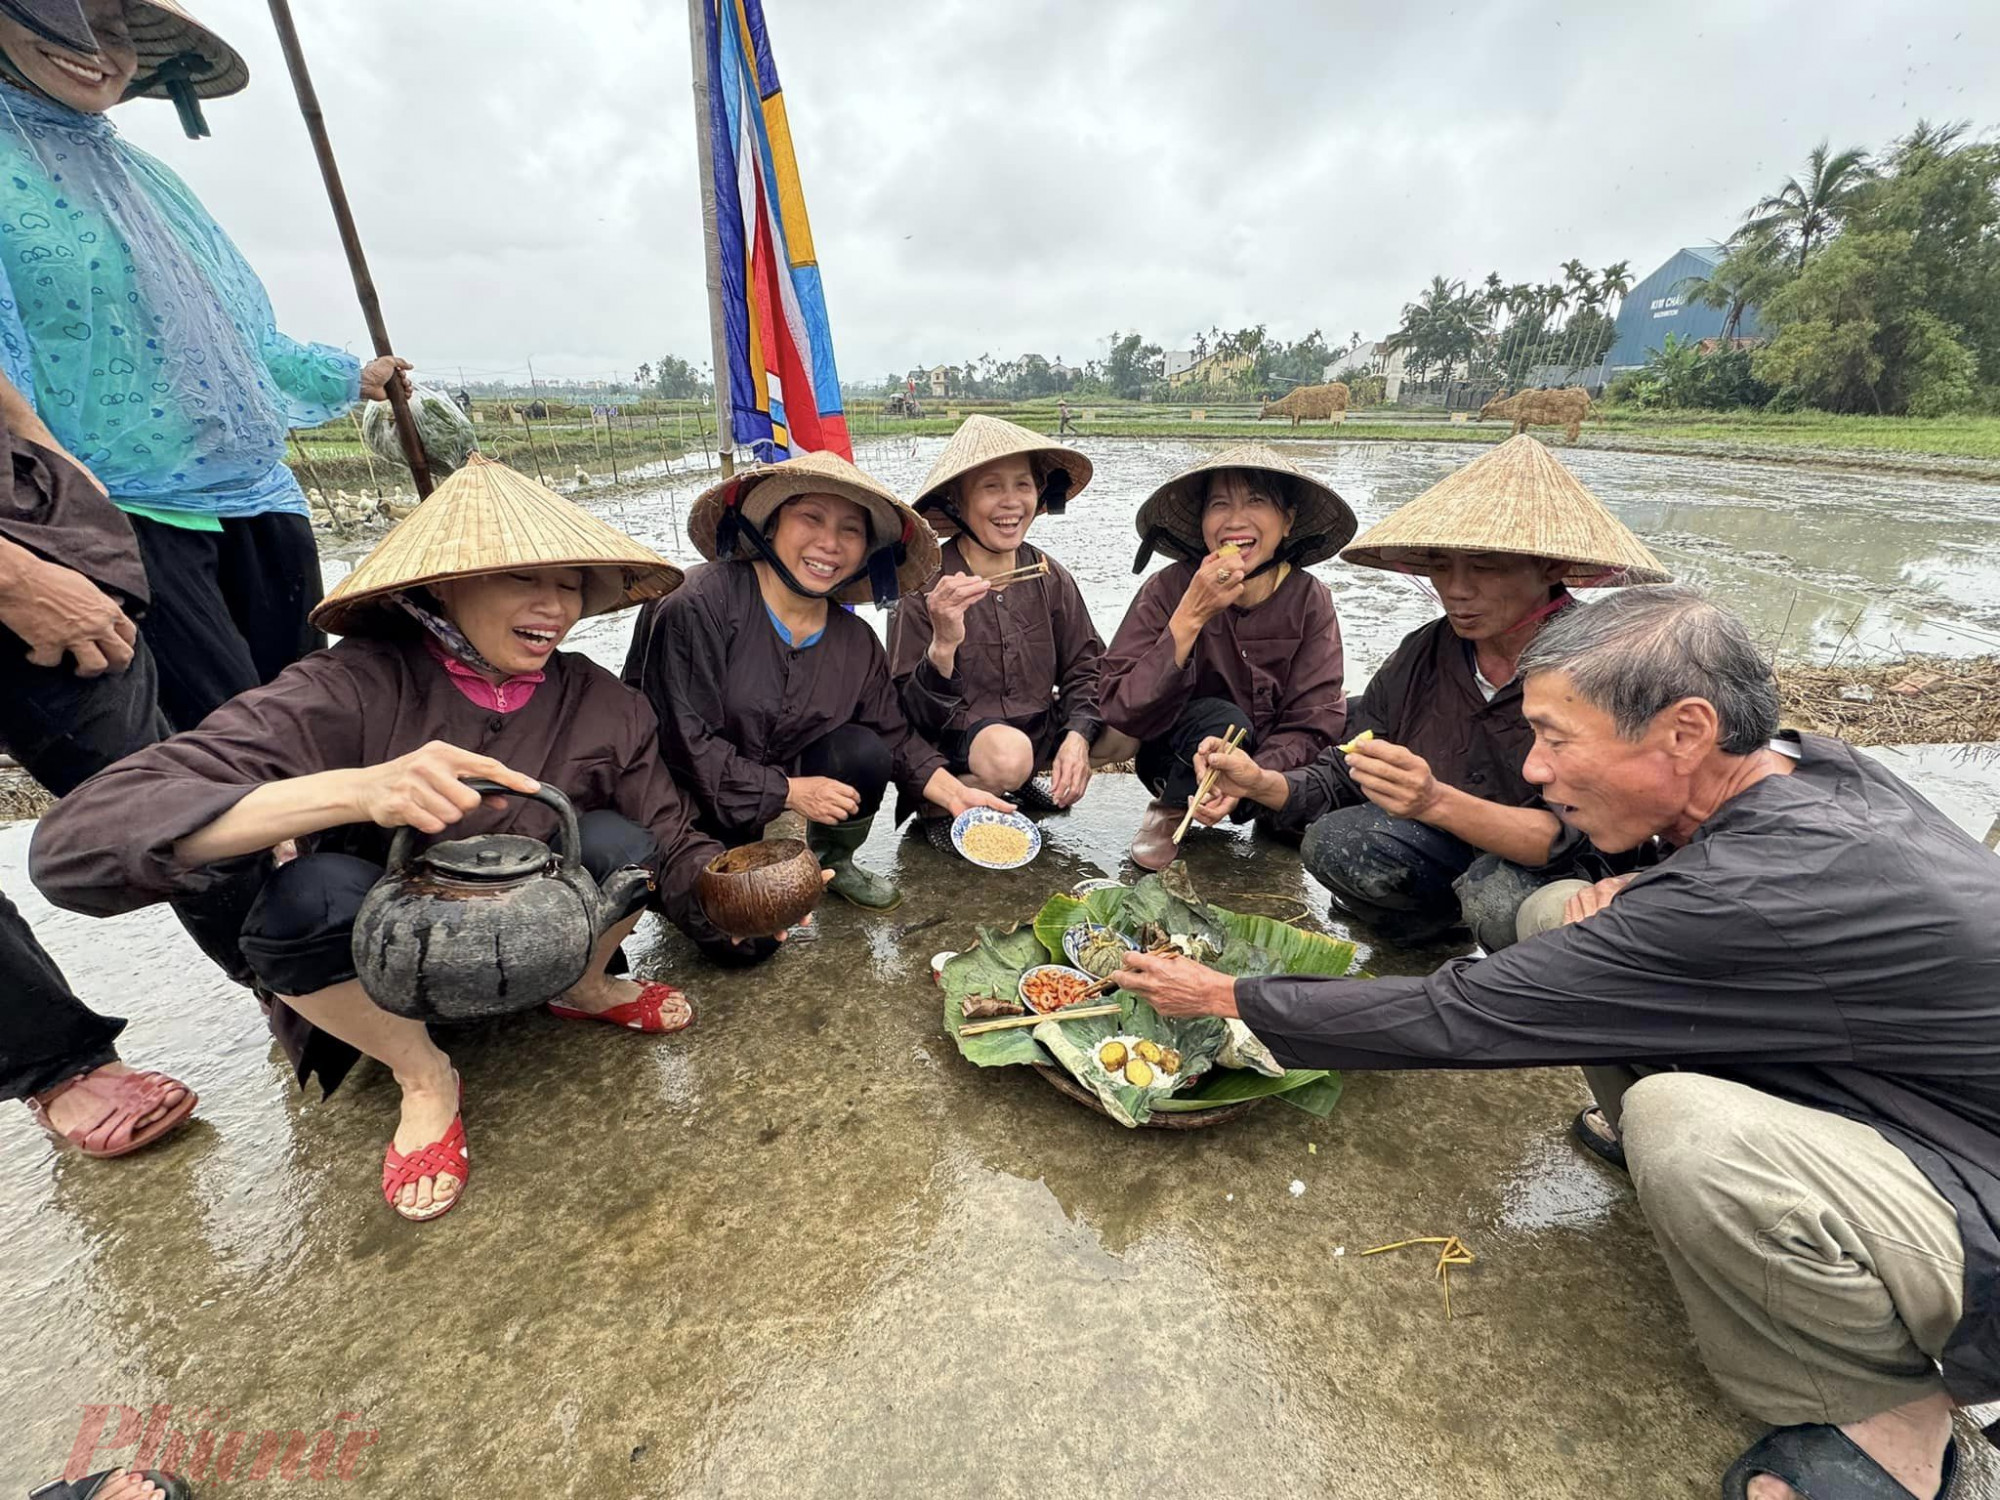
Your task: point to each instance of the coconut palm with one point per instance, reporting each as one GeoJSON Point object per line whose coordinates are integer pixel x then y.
{"type": "Point", "coordinates": [1751, 271]}
{"type": "Point", "coordinates": [1809, 212]}
{"type": "Point", "coordinates": [1615, 280]}
{"type": "Point", "coordinates": [1928, 142]}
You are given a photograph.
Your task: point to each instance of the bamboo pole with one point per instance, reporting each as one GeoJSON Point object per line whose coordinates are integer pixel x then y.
{"type": "Point", "coordinates": [350, 237]}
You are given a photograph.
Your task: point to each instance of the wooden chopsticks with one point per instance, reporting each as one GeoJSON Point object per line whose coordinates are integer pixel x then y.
{"type": "Point", "coordinates": [1012, 575]}
{"type": "Point", "coordinates": [1234, 736]}
{"type": "Point", "coordinates": [1035, 1018]}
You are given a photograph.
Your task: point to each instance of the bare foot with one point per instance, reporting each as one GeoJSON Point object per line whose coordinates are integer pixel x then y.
{"type": "Point", "coordinates": [1907, 1441]}
{"type": "Point", "coordinates": [78, 1109]}
{"type": "Point", "coordinates": [125, 1485]}
{"type": "Point", "coordinates": [429, 1103]}
{"type": "Point", "coordinates": [600, 992]}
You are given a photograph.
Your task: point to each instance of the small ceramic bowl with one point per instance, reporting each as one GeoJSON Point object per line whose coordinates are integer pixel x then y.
{"type": "Point", "coordinates": [1077, 974]}
{"type": "Point", "coordinates": [974, 816]}
{"type": "Point", "coordinates": [1077, 936]}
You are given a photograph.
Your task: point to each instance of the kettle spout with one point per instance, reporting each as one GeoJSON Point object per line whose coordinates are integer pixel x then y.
{"type": "Point", "coordinates": [624, 891]}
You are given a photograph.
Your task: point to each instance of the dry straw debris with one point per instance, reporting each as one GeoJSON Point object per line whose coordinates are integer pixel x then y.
{"type": "Point", "coordinates": [1944, 700]}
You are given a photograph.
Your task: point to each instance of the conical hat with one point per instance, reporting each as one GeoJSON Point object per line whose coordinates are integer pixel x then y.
{"type": "Point", "coordinates": [1517, 498]}
{"type": "Point", "coordinates": [488, 519]}
{"type": "Point", "coordinates": [758, 493]}
{"type": "Point", "coordinates": [980, 440]}
{"type": "Point", "coordinates": [161, 32]}
{"type": "Point", "coordinates": [1318, 513]}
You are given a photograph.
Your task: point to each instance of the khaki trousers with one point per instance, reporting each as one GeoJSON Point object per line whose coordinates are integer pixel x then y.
{"type": "Point", "coordinates": [1821, 1272]}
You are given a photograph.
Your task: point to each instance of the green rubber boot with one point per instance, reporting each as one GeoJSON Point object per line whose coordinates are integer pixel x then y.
{"type": "Point", "coordinates": [835, 845]}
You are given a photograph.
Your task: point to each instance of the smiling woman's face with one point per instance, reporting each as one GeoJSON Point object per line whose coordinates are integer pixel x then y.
{"type": "Point", "coordinates": [515, 620]}
{"type": "Point", "coordinates": [1244, 508]}
{"type": "Point", "coordinates": [87, 81]}
{"type": "Point", "coordinates": [998, 501]}
{"type": "Point", "coordinates": [821, 540]}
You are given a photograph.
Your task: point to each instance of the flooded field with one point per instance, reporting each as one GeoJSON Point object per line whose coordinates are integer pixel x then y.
{"type": "Point", "coordinates": [805, 1250]}
{"type": "Point", "coordinates": [1819, 560]}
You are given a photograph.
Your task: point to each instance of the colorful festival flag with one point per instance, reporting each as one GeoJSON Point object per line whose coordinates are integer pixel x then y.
{"type": "Point", "coordinates": [775, 374]}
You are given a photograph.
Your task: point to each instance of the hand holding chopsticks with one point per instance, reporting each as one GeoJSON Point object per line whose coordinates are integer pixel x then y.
{"type": "Point", "coordinates": [1235, 736]}
{"type": "Point", "coordinates": [1012, 575]}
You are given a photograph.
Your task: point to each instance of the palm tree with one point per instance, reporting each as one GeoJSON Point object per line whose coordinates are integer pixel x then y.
{"type": "Point", "coordinates": [1812, 210]}
{"type": "Point", "coordinates": [1615, 280]}
{"type": "Point", "coordinates": [1928, 142]}
{"type": "Point", "coordinates": [1741, 279]}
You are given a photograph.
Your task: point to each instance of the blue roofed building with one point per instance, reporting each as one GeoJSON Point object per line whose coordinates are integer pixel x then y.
{"type": "Point", "coordinates": [1659, 305]}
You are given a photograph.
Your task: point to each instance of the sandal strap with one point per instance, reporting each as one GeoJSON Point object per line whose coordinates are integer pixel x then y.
{"type": "Point", "coordinates": [123, 1100]}
{"type": "Point", "coordinates": [1822, 1463]}
{"type": "Point", "coordinates": [447, 1155]}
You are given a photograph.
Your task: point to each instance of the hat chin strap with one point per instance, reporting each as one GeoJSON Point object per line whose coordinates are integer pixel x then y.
{"type": "Point", "coordinates": [879, 569]}
{"type": "Point", "coordinates": [1054, 501]}
{"type": "Point", "coordinates": [179, 74]}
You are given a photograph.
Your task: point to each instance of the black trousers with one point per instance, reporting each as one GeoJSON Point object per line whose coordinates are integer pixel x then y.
{"type": "Point", "coordinates": [299, 934]}
{"type": "Point", "coordinates": [851, 753]}
{"type": "Point", "coordinates": [229, 607]}
{"type": "Point", "coordinates": [63, 729]}
{"type": "Point", "coordinates": [1414, 884]}
{"type": "Point", "coordinates": [1166, 765]}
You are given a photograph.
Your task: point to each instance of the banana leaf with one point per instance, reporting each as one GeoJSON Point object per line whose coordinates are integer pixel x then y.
{"type": "Point", "coordinates": [1245, 945]}
{"type": "Point", "coordinates": [994, 966]}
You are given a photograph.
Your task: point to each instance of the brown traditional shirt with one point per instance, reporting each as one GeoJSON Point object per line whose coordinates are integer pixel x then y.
{"type": "Point", "coordinates": [1827, 937]}
{"type": "Point", "coordinates": [1427, 698]}
{"type": "Point", "coordinates": [1280, 663]}
{"type": "Point", "coordinates": [737, 703]}
{"type": "Point", "coordinates": [1030, 653]}
{"type": "Point", "coordinates": [54, 511]}
{"type": "Point", "coordinates": [108, 847]}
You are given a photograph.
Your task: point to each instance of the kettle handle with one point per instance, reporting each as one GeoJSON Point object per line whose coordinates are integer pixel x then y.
{"type": "Point", "coordinates": [569, 840]}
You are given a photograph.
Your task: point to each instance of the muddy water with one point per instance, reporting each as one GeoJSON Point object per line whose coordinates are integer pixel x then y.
{"type": "Point", "coordinates": [804, 1249]}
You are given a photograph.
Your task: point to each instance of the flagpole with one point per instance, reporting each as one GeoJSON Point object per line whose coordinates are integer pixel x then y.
{"type": "Point", "coordinates": [350, 238]}
{"type": "Point", "coordinates": [725, 438]}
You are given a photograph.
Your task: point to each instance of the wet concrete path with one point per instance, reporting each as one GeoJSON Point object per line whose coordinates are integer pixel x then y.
{"type": "Point", "coordinates": [804, 1249]}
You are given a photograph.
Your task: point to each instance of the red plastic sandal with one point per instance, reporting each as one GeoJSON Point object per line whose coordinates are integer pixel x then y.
{"type": "Point", "coordinates": [659, 1009]}
{"type": "Point", "coordinates": [449, 1155]}
{"type": "Point", "coordinates": [121, 1100]}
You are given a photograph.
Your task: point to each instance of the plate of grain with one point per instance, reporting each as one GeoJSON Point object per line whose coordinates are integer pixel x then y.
{"type": "Point", "coordinates": [995, 840]}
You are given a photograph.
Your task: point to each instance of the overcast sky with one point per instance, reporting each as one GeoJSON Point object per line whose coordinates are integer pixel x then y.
{"type": "Point", "coordinates": [1021, 175]}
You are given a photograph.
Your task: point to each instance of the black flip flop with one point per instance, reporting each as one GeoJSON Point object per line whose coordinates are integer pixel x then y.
{"type": "Point", "coordinates": [1610, 1152]}
{"type": "Point", "coordinates": [83, 1489]}
{"type": "Point", "coordinates": [1824, 1463]}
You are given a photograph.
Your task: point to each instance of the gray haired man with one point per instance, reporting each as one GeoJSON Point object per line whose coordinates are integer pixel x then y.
{"type": "Point", "coordinates": [1792, 1022]}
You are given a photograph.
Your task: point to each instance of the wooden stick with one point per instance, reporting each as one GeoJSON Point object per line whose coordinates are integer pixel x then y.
{"type": "Point", "coordinates": [1068, 1013]}
{"type": "Point", "coordinates": [350, 239]}
{"type": "Point", "coordinates": [1235, 736]}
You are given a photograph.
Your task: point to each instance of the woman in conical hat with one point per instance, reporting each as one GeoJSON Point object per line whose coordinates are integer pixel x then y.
{"type": "Point", "coordinates": [450, 668]}
{"type": "Point", "coordinates": [772, 699]}
{"type": "Point", "coordinates": [1235, 634]}
{"type": "Point", "coordinates": [162, 365]}
{"type": "Point", "coordinates": [1001, 677]}
{"type": "Point", "coordinates": [1424, 822]}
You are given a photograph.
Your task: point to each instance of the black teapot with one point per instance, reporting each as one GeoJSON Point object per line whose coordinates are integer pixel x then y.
{"type": "Point", "coordinates": [486, 925]}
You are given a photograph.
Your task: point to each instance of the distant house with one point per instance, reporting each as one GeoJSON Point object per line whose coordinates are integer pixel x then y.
{"type": "Point", "coordinates": [1218, 368]}
{"type": "Point", "coordinates": [939, 377]}
{"type": "Point", "coordinates": [1378, 359]}
{"type": "Point", "coordinates": [1177, 360]}
{"type": "Point", "coordinates": [1659, 305]}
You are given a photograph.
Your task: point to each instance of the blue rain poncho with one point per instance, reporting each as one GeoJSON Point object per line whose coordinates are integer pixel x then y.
{"type": "Point", "coordinates": [137, 329]}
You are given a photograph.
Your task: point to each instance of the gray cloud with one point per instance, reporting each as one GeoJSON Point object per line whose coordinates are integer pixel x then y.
{"type": "Point", "coordinates": [999, 177]}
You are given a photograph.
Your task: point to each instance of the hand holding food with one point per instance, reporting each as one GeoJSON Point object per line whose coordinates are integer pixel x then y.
{"type": "Point", "coordinates": [1397, 780]}
{"type": "Point", "coordinates": [949, 599]}
{"type": "Point", "coordinates": [1217, 584]}
{"type": "Point", "coordinates": [1178, 986]}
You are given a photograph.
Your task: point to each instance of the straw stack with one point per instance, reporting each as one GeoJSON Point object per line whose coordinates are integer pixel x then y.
{"type": "Point", "coordinates": [1517, 498]}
